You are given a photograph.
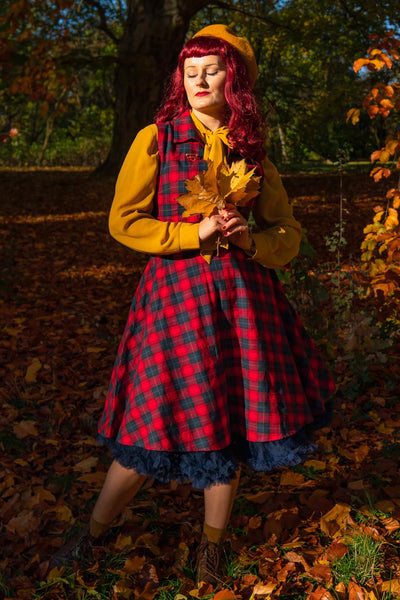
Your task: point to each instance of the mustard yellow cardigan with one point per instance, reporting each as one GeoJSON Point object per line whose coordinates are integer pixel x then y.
{"type": "Point", "coordinates": [131, 222]}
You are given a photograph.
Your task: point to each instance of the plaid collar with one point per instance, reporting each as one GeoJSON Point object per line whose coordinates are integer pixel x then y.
{"type": "Point", "coordinates": [184, 129]}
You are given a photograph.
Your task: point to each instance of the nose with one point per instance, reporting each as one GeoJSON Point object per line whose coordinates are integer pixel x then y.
{"type": "Point", "coordinates": [201, 79]}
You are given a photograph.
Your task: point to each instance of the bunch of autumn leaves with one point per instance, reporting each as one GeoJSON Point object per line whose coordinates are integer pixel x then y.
{"type": "Point", "coordinates": [217, 188]}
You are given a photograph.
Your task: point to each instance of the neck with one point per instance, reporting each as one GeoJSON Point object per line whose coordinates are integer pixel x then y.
{"type": "Point", "coordinates": [212, 122]}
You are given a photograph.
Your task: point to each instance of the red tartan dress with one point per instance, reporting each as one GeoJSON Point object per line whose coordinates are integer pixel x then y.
{"type": "Point", "coordinates": [214, 366]}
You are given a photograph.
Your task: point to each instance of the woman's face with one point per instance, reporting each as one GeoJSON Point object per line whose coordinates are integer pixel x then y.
{"type": "Point", "coordinates": [204, 81]}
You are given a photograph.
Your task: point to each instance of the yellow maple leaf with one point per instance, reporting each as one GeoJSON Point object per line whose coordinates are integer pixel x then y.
{"type": "Point", "coordinates": [213, 189]}
{"type": "Point", "coordinates": [237, 184]}
{"type": "Point", "coordinates": [202, 195]}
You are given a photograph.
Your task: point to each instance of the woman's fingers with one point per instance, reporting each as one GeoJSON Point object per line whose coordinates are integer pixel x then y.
{"type": "Point", "coordinates": [235, 227]}
{"type": "Point", "coordinates": [229, 212]}
{"type": "Point", "coordinates": [235, 224]}
{"type": "Point", "coordinates": [209, 226]}
{"type": "Point", "coordinates": [230, 222]}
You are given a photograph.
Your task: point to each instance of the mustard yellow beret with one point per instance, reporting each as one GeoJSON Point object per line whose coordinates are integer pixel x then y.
{"type": "Point", "coordinates": [241, 44]}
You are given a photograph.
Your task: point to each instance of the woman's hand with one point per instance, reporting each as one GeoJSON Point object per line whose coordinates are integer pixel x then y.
{"type": "Point", "coordinates": [209, 226]}
{"type": "Point", "coordinates": [236, 227]}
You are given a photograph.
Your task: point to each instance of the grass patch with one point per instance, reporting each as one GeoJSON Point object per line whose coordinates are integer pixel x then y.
{"type": "Point", "coordinates": [237, 566]}
{"type": "Point", "coordinates": [168, 589]}
{"type": "Point", "coordinates": [4, 589]}
{"type": "Point", "coordinates": [361, 563]}
{"type": "Point", "coordinates": [88, 585]}
{"type": "Point", "coordinates": [309, 472]}
{"type": "Point", "coordinates": [316, 167]}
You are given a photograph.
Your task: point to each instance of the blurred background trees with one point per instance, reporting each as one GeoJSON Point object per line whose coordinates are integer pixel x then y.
{"type": "Point", "coordinates": [80, 78]}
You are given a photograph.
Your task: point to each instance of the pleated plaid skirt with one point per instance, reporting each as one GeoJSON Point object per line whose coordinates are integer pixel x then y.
{"type": "Point", "coordinates": [214, 368]}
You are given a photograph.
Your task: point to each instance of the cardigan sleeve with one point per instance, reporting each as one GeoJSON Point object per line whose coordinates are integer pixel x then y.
{"type": "Point", "coordinates": [278, 234]}
{"type": "Point", "coordinates": [131, 221]}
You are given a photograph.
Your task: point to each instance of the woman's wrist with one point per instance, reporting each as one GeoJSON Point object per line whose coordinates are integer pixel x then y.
{"type": "Point", "coordinates": [251, 250]}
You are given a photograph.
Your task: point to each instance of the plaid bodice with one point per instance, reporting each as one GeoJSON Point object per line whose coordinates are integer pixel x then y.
{"type": "Point", "coordinates": [181, 152]}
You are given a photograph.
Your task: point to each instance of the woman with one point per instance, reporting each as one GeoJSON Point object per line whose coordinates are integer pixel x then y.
{"type": "Point", "coordinates": [214, 368]}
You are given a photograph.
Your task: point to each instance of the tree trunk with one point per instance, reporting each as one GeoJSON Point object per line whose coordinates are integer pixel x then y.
{"type": "Point", "coordinates": [49, 131]}
{"type": "Point", "coordinates": [50, 126]}
{"type": "Point", "coordinates": [147, 54]}
{"type": "Point", "coordinates": [282, 139]}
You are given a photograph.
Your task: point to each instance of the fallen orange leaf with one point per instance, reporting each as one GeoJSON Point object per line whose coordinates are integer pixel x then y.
{"type": "Point", "coordinates": [266, 589]}
{"type": "Point", "coordinates": [391, 524]}
{"type": "Point", "coordinates": [255, 522]}
{"type": "Point", "coordinates": [291, 478]}
{"type": "Point", "coordinates": [386, 506]}
{"type": "Point", "coordinates": [341, 591]}
{"type": "Point", "coordinates": [123, 542]}
{"type": "Point", "coordinates": [63, 513]}
{"type": "Point", "coordinates": [258, 498]}
{"type": "Point", "coordinates": [24, 429]}
{"type": "Point", "coordinates": [225, 595]}
{"type": "Point", "coordinates": [123, 589]}
{"type": "Point", "coordinates": [355, 591]}
{"type": "Point", "coordinates": [181, 556]}
{"type": "Point", "coordinates": [86, 464]}
{"type": "Point", "coordinates": [32, 371]}
{"type": "Point", "coordinates": [320, 572]}
{"type": "Point", "coordinates": [24, 524]}
{"type": "Point", "coordinates": [41, 495]}
{"type": "Point", "coordinates": [336, 520]}
{"type": "Point", "coordinates": [320, 594]}
{"type": "Point", "coordinates": [133, 565]}
{"type": "Point", "coordinates": [146, 583]}
{"type": "Point", "coordinates": [392, 586]}
{"type": "Point", "coordinates": [336, 550]}
{"type": "Point", "coordinates": [96, 479]}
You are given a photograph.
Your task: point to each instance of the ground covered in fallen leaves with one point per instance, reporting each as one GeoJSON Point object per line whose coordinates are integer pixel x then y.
{"type": "Point", "coordinates": [66, 287]}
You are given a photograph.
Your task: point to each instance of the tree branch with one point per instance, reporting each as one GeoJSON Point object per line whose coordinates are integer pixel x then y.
{"type": "Point", "coordinates": [261, 19]}
{"type": "Point", "coordinates": [103, 20]}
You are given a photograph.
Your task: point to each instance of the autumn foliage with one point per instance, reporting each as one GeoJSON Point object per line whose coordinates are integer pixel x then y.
{"type": "Point", "coordinates": [381, 245]}
{"type": "Point", "coordinates": [41, 73]}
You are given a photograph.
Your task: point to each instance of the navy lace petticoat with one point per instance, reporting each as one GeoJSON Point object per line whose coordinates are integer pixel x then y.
{"type": "Point", "coordinates": [206, 468]}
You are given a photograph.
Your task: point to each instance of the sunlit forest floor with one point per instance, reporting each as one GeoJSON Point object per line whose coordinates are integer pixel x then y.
{"type": "Point", "coordinates": [328, 529]}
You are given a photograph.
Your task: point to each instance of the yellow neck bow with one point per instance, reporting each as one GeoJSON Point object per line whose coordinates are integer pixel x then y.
{"type": "Point", "coordinates": [215, 141]}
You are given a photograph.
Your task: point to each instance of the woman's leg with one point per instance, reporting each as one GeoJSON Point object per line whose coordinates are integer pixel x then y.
{"type": "Point", "coordinates": [120, 486]}
{"type": "Point", "coordinates": [218, 502]}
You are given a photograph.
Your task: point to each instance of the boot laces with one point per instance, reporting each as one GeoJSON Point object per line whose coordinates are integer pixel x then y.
{"type": "Point", "coordinates": [208, 561]}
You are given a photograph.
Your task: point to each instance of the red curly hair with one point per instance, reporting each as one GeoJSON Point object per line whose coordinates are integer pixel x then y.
{"type": "Point", "coordinates": [242, 115]}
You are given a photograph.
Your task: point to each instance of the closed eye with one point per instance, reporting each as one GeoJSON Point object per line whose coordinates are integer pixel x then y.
{"type": "Point", "coordinates": [193, 75]}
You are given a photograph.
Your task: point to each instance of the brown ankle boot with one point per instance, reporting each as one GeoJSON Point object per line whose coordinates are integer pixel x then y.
{"type": "Point", "coordinates": [80, 547]}
{"type": "Point", "coordinates": [207, 563]}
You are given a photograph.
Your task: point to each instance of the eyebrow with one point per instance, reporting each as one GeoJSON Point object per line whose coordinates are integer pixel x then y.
{"type": "Point", "coordinates": [214, 64]}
